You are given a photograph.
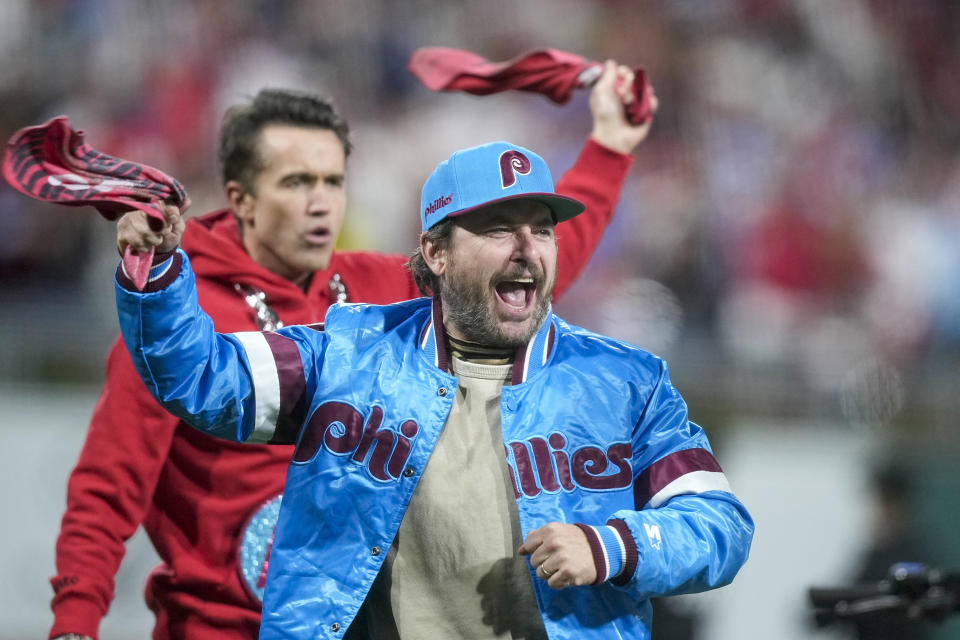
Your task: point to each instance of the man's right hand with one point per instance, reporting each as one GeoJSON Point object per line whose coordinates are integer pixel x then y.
{"type": "Point", "coordinates": [134, 230]}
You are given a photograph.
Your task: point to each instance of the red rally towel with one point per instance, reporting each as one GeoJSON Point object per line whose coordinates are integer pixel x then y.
{"type": "Point", "coordinates": [51, 162]}
{"type": "Point", "coordinates": [552, 72]}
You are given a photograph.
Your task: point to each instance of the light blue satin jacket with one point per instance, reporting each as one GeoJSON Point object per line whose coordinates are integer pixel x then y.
{"type": "Point", "coordinates": [593, 432]}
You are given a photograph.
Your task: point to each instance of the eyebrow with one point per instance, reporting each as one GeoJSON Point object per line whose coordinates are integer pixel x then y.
{"type": "Point", "coordinates": [307, 173]}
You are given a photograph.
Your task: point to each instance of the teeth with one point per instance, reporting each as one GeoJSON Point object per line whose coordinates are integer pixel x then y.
{"type": "Point", "coordinates": [524, 280]}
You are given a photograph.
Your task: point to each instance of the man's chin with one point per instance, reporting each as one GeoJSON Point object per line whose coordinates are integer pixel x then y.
{"type": "Point", "coordinates": [515, 333]}
{"type": "Point", "coordinates": [316, 260]}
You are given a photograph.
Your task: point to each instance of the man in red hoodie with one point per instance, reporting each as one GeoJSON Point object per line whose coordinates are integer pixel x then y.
{"type": "Point", "coordinates": [208, 505]}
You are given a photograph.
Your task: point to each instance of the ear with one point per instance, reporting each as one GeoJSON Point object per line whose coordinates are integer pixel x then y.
{"type": "Point", "coordinates": [433, 255]}
{"type": "Point", "coordinates": [240, 199]}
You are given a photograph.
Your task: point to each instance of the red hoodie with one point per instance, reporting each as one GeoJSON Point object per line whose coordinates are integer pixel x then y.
{"type": "Point", "coordinates": [198, 497]}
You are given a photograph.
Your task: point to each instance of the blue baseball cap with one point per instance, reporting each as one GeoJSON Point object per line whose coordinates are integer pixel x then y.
{"type": "Point", "coordinates": [488, 174]}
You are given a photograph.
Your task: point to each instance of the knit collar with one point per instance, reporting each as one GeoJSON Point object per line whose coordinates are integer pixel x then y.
{"type": "Point", "coordinates": [527, 360]}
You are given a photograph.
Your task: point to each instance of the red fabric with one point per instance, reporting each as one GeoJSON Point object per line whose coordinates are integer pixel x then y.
{"type": "Point", "coordinates": [548, 71]}
{"type": "Point", "coordinates": [193, 493]}
{"type": "Point", "coordinates": [51, 162]}
{"type": "Point", "coordinates": [552, 72]}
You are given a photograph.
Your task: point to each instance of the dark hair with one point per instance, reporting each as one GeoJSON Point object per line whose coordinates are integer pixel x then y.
{"type": "Point", "coordinates": [427, 281]}
{"type": "Point", "coordinates": [239, 136]}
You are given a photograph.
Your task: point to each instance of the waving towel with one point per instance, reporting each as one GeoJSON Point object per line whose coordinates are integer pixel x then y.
{"type": "Point", "coordinates": [51, 162]}
{"type": "Point", "coordinates": [551, 72]}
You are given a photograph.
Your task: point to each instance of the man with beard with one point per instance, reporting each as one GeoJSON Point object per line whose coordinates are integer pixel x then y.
{"type": "Point", "coordinates": [466, 465]}
{"type": "Point", "coordinates": [209, 506]}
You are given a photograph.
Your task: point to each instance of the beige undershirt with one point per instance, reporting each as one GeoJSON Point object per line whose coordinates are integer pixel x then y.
{"type": "Point", "coordinates": [453, 571]}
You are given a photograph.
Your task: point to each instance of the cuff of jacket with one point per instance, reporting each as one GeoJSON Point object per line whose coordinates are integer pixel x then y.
{"type": "Point", "coordinates": [75, 614]}
{"type": "Point", "coordinates": [614, 552]}
{"type": "Point", "coordinates": [165, 269]}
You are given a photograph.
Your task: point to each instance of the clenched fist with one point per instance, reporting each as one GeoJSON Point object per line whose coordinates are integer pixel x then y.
{"type": "Point", "coordinates": [561, 554]}
{"type": "Point", "coordinates": [140, 232]}
{"type": "Point", "coordinates": [612, 92]}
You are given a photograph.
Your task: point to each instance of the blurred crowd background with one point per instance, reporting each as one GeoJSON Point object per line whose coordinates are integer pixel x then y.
{"type": "Point", "coordinates": [789, 237]}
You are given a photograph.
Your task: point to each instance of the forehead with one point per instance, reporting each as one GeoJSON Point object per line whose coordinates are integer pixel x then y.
{"type": "Point", "coordinates": [508, 212]}
{"type": "Point", "coordinates": [283, 146]}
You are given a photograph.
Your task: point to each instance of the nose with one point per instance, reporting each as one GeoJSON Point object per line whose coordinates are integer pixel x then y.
{"type": "Point", "coordinates": [526, 247]}
{"type": "Point", "coordinates": [318, 201]}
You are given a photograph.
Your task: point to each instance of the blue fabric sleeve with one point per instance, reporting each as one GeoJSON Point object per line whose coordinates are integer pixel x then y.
{"type": "Point", "coordinates": [200, 376]}
{"type": "Point", "coordinates": [688, 532]}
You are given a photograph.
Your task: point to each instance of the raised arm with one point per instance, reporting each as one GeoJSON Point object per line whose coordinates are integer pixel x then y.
{"type": "Point", "coordinates": [243, 386]}
{"type": "Point", "coordinates": [598, 175]}
{"type": "Point", "coordinates": [200, 376]}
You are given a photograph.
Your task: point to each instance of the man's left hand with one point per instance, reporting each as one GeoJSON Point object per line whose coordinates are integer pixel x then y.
{"type": "Point", "coordinates": [561, 554]}
{"type": "Point", "coordinates": [608, 98]}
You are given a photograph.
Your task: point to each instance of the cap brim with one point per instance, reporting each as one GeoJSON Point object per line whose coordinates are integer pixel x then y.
{"type": "Point", "coordinates": [562, 207]}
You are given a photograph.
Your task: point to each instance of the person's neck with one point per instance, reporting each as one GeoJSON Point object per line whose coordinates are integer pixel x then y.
{"type": "Point", "coordinates": [304, 281]}
{"type": "Point", "coordinates": [269, 262]}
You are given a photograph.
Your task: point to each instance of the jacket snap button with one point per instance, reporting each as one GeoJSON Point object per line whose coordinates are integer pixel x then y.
{"type": "Point", "coordinates": [335, 627]}
{"type": "Point", "coordinates": [408, 472]}
{"type": "Point", "coordinates": [375, 551]}
{"type": "Point", "coordinates": [442, 391]}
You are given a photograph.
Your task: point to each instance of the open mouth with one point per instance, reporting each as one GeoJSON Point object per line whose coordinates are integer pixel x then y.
{"type": "Point", "coordinates": [318, 236]}
{"type": "Point", "coordinates": [516, 294]}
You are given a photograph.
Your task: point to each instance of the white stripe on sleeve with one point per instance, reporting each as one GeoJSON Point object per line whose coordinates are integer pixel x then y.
{"type": "Point", "coordinates": [693, 482]}
{"type": "Point", "coordinates": [266, 384]}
